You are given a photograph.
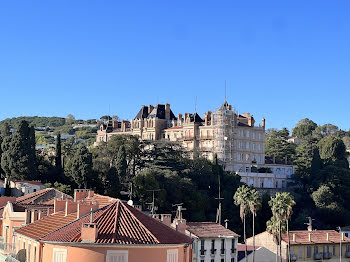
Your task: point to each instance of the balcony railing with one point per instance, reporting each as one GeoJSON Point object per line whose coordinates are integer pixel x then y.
{"type": "Point", "coordinates": [202, 252]}
{"type": "Point", "coordinates": [327, 255]}
{"type": "Point", "coordinates": [222, 251]}
{"type": "Point", "coordinates": [347, 254]}
{"type": "Point", "coordinates": [318, 256]}
{"type": "Point", "coordinates": [212, 251]}
{"type": "Point", "coordinates": [7, 247]}
{"type": "Point", "coordinates": [293, 257]}
{"type": "Point", "coordinates": [233, 250]}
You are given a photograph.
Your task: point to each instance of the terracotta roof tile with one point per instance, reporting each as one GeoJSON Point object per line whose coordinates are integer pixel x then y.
{"type": "Point", "coordinates": [42, 227]}
{"type": "Point", "coordinates": [36, 197]}
{"type": "Point", "coordinates": [317, 237]}
{"type": "Point", "coordinates": [119, 223]}
{"type": "Point", "coordinates": [209, 229]}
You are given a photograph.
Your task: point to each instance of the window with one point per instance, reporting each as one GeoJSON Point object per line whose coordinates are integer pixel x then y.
{"type": "Point", "coordinates": [259, 147]}
{"type": "Point", "coordinates": [333, 250]}
{"type": "Point", "coordinates": [202, 248]}
{"type": "Point", "coordinates": [232, 260]}
{"type": "Point", "coordinates": [172, 255]}
{"type": "Point", "coordinates": [34, 254]}
{"type": "Point", "coordinates": [348, 248]}
{"type": "Point", "coordinates": [222, 260]}
{"type": "Point", "coordinates": [248, 133]}
{"type": "Point", "coordinates": [213, 246]}
{"type": "Point", "coordinates": [247, 145]}
{"type": "Point", "coordinates": [300, 252]}
{"type": "Point", "coordinates": [308, 251]}
{"type": "Point", "coordinates": [28, 255]}
{"type": "Point", "coordinates": [253, 134]}
{"type": "Point", "coordinates": [222, 246]}
{"type": "Point", "coordinates": [233, 245]}
{"type": "Point", "coordinates": [316, 250]}
{"type": "Point", "coordinates": [60, 255]}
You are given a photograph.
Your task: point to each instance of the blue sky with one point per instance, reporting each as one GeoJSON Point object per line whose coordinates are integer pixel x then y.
{"type": "Point", "coordinates": [284, 60]}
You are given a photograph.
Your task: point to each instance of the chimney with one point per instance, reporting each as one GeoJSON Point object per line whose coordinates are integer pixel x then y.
{"type": "Point", "coordinates": [59, 205]}
{"type": "Point", "coordinates": [80, 194]}
{"type": "Point", "coordinates": [179, 120]}
{"type": "Point", "coordinates": [180, 225]}
{"type": "Point", "coordinates": [84, 208]}
{"type": "Point", "coordinates": [309, 237]}
{"type": "Point", "coordinates": [71, 207]}
{"type": "Point", "coordinates": [34, 215]}
{"type": "Point", "coordinates": [206, 119]}
{"type": "Point", "coordinates": [293, 237]}
{"type": "Point", "coordinates": [342, 236]}
{"type": "Point", "coordinates": [166, 219]}
{"type": "Point", "coordinates": [263, 122]}
{"type": "Point", "coordinates": [327, 236]}
{"type": "Point", "coordinates": [150, 108]}
{"type": "Point", "coordinates": [28, 217]}
{"type": "Point", "coordinates": [89, 231]}
{"type": "Point", "coordinates": [138, 207]}
{"type": "Point", "coordinates": [167, 111]}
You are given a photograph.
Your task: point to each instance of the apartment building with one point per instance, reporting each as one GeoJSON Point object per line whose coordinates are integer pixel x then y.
{"type": "Point", "coordinates": [236, 139]}
{"type": "Point", "coordinates": [307, 246]}
{"type": "Point", "coordinates": [212, 242]}
{"type": "Point", "coordinates": [89, 227]}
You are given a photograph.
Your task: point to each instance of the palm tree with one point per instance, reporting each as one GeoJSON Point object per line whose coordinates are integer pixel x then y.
{"type": "Point", "coordinates": [288, 204]}
{"type": "Point", "coordinates": [254, 205]}
{"type": "Point", "coordinates": [241, 199]}
{"type": "Point", "coordinates": [281, 206]}
{"type": "Point", "coordinates": [273, 228]}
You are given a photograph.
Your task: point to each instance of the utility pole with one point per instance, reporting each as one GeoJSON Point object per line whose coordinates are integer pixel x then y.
{"type": "Point", "coordinates": [179, 210]}
{"type": "Point", "coordinates": [153, 207]}
{"type": "Point", "coordinates": [218, 213]}
{"type": "Point", "coordinates": [341, 238]}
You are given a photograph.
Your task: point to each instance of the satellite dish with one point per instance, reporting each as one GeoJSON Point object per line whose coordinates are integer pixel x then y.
{"type": "Point", "coordinates": [130, 202]}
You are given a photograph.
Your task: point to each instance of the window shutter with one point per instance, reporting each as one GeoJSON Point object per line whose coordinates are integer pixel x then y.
{"type": "Point", "coordinates": [172, 255]}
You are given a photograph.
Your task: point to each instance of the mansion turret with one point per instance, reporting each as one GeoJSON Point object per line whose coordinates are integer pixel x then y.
{"type": "Point", "coordinates": [237, 139]}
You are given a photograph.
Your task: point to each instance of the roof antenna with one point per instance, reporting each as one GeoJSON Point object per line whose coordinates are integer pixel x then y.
{"type": "Point", "coordinates": [152, 204]}
{"type": "Point", "coordinates": [195, 104]}
{"type": "Point", "coordinates": [179, 210]}
{"type": "Point", "coordinates": [225, 92]}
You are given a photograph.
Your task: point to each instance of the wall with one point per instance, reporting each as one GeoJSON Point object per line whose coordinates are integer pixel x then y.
{"type": "Point", "coordinates": [98, 254]}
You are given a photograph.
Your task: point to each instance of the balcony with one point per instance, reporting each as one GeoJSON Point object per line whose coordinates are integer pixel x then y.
{"type": "Point", "coordinates": [293, 257]}
{"type": "Point", "coordinates": [327, 255]}
{"type": "Point", "coordinates": [202, 252]}
{"type": "Point", "coordinates": [212, 252]}
{"type": "Point", "coordinates": [318, 256]}
{"type": "Point", "coordinates": [347, 254]}
{"type": "Point", "coordinates": [222, 251]}
{"type": "Point", "coordinates": [233, 250]}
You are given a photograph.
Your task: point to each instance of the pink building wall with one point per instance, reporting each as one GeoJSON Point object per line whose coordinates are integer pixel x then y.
{"type": "Point", "coordinates": [136, 254]}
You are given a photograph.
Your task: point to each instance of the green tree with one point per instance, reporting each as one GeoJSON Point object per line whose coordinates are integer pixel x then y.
{"type": "Point", "coordinates": [304, 128]}
{"type": "Point", "coordinates": [18, 159]}
{"type": "Point", "coordinates": [80, 167]}
{"type": "Point", "coordinates": [332, 149]}
{"type": "Point", "coordinates": [241, 199]}
{"type": "Point", "coordinates": [254, 202]}
{"type": "Point", "coordinates": [121, 164]}
{"type": "Point", "coordinates": [58, 157]}
{"type": "Point", "coordinates": [5, 130]}
{"type": "Point", "coordinates": [276, 145]}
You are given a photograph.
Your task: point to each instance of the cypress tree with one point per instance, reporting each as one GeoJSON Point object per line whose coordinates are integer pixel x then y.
{"type": "Point", "coordinates": [58, 158]}
{"type": "Point", "coordinates": [121, 164]}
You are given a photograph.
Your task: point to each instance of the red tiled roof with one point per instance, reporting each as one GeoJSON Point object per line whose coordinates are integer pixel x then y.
{"type": "Point", "coordinates": [35, 196]}
{"type": "Point", "coordinates": [121, 224]}
{"type": "Point", "coordinates": [101, 200]}
{"type": "Point", "coordinates": [209, 229]}
{"type": "Point", "coordinates": [317, 237]}
{"type": "Point", "coordinates": [42, 227]}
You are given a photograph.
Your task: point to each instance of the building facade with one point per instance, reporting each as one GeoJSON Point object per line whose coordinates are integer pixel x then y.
{"type": "Point", "coordinates": [236, 139]}
{"type": "Point", "coordinates": [307, 246]}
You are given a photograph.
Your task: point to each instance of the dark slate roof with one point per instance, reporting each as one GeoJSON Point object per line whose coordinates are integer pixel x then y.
{"type": "Point", "coordinates": [159, 112]}
{"type": "Point", "coordinates": [143, 113]}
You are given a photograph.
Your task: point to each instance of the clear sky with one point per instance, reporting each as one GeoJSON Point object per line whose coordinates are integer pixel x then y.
{"type": "Point", "coordinates": [284, 60]}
